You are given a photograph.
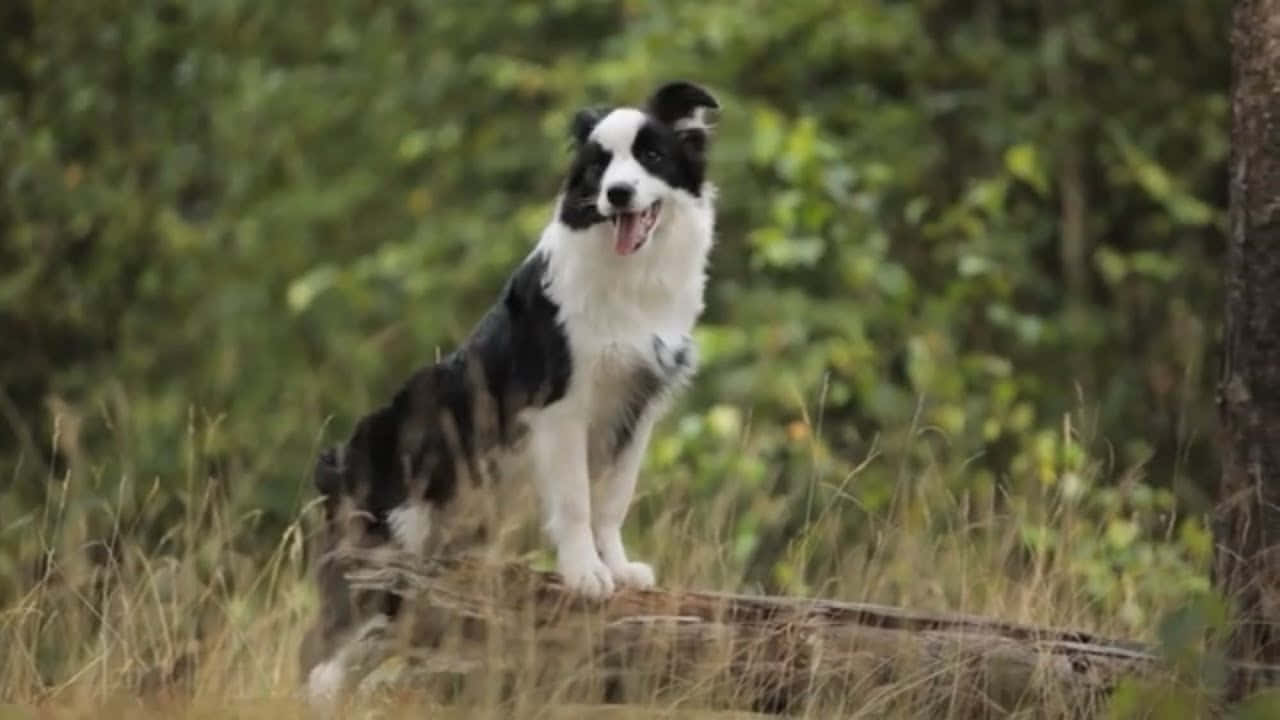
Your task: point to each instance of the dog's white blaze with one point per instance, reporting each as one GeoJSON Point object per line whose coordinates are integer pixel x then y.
{"type": "Point", "coordinates": [616, 132]}
{"type": "Point", "coordinates": [411, 525]}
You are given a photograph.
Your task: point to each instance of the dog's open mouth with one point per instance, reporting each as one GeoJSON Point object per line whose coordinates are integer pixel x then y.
{"type": "Point", "coordinates": [632, 230]}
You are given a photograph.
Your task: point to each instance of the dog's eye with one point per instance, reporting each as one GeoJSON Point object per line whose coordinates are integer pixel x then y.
{"type": "Point", "coordinates": [650, 155]}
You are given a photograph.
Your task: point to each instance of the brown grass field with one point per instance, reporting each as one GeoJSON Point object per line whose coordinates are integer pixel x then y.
{"type": "Point", "coordinates": [214, 632]}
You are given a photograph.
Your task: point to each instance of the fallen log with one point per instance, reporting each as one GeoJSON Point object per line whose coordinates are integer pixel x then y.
{"type": "Point", "coordinates": [731, 651]}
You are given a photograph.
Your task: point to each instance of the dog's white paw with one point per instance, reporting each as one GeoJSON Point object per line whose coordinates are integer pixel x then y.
{"type": "Point", "coordinates": [634, 574]}
{"type": "Point", "coordinates": [325, 685]}
{"type": "Point", "coordinates": [584, 574]}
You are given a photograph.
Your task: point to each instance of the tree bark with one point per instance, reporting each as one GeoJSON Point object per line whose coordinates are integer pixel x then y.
{"type": "Point", "coordinates": [1247, 563]}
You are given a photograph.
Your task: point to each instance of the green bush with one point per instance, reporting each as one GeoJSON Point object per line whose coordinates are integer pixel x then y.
{"type": "Point", "coordinates": [973, 243]}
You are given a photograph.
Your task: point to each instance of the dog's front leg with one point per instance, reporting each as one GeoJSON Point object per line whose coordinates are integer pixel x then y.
{"type": "Point", "coordinates": [559, 448]}
{"type": "Point", "coordinates": [609, 508]}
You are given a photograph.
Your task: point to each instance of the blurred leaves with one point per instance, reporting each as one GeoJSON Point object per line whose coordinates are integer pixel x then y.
{"type": "Point", "coordinates": [1024, 163]}
{"type": "Point", "coordinates": [1260, 706]}
{"type": "Point", "coordinates": [270, 214]}
{"type": "Point", "coordinates": [1193, 679]}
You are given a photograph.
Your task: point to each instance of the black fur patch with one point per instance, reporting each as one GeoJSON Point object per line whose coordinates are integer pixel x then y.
{"type": "Point", "coordinates": [659, 150]}
{"type": "Point", "coordinates": [447, 416]}
{"type": "Point", "coordinates": [678, 100]}
{"type": "Point", "coordinates": [642, 388]}
{"type": "Point", "coordinates": [578, 208]}
{"type": "Point", "coordinates": [676, 103]}
{"type": "Point", "coordinates": [645, 385]}
{"type": "Point", "coordinates": [584, 121]}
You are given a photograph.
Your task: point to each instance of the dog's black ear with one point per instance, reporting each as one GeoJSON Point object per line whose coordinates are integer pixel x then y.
{"type": "Point", "coordinates": [584, 121]}
{"type": "Point", "coordinates": [681, 100]}
{"type": "Point", "coordinates": [687, 108]}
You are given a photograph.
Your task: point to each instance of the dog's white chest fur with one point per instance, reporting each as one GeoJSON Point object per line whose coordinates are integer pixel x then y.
{"type": "Point", "coordinates": [624, 315]}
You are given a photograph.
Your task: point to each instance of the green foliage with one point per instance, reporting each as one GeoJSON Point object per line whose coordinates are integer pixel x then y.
{"type": "Point", "coordinates": [1195, 671]}
{"type": "Point", "coordinates": [1259, 706]}
{"type": "Point", "coordinates": [973, 244]}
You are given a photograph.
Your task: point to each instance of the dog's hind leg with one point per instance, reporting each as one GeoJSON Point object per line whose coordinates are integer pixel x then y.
{"type": "Point", "coordinates": [331, 682]}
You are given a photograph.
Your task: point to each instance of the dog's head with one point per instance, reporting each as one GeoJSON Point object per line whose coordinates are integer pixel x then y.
{"type": "Point", "coordinates": [631, 162]}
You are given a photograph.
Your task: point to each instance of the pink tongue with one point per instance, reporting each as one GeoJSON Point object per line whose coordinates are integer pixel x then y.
{"type": "Point", "coordinates": [629, 233]}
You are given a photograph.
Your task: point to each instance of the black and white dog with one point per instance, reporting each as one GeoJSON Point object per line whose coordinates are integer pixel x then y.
{"type": "Point", "coordinates": [564, 376]}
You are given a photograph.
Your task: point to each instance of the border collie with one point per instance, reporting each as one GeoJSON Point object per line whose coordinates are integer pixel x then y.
{"type": "Point", "coordinates": [560, 383]}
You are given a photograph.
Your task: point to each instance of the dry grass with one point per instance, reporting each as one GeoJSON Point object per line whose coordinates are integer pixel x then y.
{"type": "Point", "coordinates": [213, 631]}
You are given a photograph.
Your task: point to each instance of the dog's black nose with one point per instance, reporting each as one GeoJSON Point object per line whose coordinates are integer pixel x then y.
{"type": "Point", "coordinates": [620, 195]}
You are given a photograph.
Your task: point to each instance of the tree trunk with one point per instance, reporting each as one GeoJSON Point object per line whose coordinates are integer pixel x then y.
{"type": "Point", "coordinates": [1247, 564]}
